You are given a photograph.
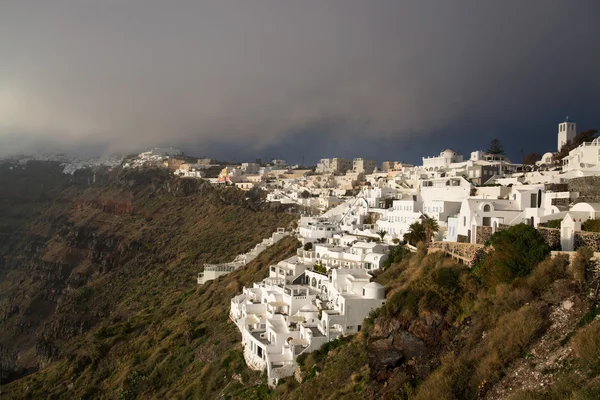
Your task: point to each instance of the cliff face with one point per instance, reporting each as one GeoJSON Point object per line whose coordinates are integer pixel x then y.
{"type": "Point", "coordinates": [93, 249]}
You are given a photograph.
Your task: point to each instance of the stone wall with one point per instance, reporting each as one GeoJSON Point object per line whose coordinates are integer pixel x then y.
{"type": "Point", "coordinates": [484, 233]}
{"type": "Point", "coordinates": [556, 187]}
{"type": "Point", "coordinates": [588, 188]}
{"type": "Point", "coordinates": [462, 239]}
{"type": "Point", "coordinates": [560, 201]}
{"type": "Point", "coordinates": [551, 236]}
{"type": "Point", "coordinates": [469, 253]}
{"type": "Point", "coordinates": [589, 239]}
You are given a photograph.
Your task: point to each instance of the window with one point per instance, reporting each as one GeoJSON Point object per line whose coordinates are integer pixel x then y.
{"type": "Point", "coordinates": [464, 221]}
{"type": "Point", "coordinates": [486, 208]}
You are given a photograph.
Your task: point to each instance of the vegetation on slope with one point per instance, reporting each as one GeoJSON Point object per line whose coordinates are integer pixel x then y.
{"type": "Point", "coordinates": [104, 276]}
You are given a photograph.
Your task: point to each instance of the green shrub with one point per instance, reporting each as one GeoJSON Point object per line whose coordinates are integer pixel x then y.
{"type": "Point", "coordinates": [591, 225]}
{"type": "Point", "coordinates": [554, 223]}
{"type": "Point", "coordinates": [515, 253]}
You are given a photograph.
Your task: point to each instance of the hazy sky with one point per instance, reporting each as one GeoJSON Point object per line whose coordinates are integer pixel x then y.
{"type": "Point", "coordinates": [246, 79]}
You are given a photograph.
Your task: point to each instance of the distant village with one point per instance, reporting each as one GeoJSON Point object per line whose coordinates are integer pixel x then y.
{"type": "Point", "coordinates": [354, 211]}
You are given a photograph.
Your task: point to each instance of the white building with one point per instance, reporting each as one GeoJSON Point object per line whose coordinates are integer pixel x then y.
{"type": "Point", "coordinates": [442, 161]}
{"type": "Point", "coordinates": [281, 318]}
{"type": "Point", "coordinates": [448, 188]}
{"type": "Point", "coordinates": [312, 229]}
{"type": "Point", "coordinates": [361, 165]}
{"type": "Point", "coordinates": [367, 256]}
{"type": "Point", "coordinates": [525, 204]}
{"type": "Point", "coordinates": [396, 220]}
{"type": "Point", "coordinates": [567, 131]}
{"type": "Point", "coordinates": [250, 168]}
{"type": "Point", "coordinates": [587, 155]}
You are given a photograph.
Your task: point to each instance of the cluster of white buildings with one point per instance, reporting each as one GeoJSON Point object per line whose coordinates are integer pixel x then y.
{"type": "Point", "coordinates": [326, 289]}
{"type": "Point", "coordinates": [323, 292]}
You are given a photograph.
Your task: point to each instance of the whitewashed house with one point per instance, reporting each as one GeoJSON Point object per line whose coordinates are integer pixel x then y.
{"type": "Point", "coordinates": [279, 321]}
{"type": "Point", "coordinates": [586, 156]}
{"type": "Point", "coordinates": [446, 188]}
{"type": "Point", "coordinates": [312, 229]}
{"type": "Point", "coordinates": [396, 220]}
{"type": "Point", "coordinates": [367, 256]}
{"type": "Point", "coordinates": [443, 161]}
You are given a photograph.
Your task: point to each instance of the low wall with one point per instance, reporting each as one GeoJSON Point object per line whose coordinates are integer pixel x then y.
{"type": "Point", "coordinates": [467, 252]}
{"type": "Point", "coordinates": [551, 236]}
{"type": "Point", "coordinates": [556, 187]}
{"type": "Point", "coordinates": [589, 239]}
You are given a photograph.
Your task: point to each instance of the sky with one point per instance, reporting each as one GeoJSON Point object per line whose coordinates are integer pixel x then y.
{"type": "Point", "coordinates": [298, 79]}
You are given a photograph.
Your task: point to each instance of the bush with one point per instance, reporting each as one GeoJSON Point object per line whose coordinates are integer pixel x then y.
{"type": "Point", "coordinates": [591, 225]}
{"type": "Point", "coordinates": [547, 272]}
{"type": "Point", "coordinates": [397, 253]}
{"type": "Point", "coordinates": [581, 263]}
{"type": "Point", "coordinates": [308, 246]}
{"type": "Point", "coordinates": [554, 223]}
{"type": "Point", "coordinates": [515, 253]}
{"type": "Point", "coordinates": [320, 269]}
{"type": "Point", "coordinates": [587, 346]}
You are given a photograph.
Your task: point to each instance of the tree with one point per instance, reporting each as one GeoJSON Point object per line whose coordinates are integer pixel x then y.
{"type": "Point", "coordinates": [382, 234]}
{"type": "Point", "coordinates": [305, 194]}
{"type": "Point", "coordinates": [415, 234]}
{"type": "Point", "coordinates": [495, 147]}
{"type": "Point", "coordinates": [531, 158]}
{"type": "Point", "coordinates": [430, 225]}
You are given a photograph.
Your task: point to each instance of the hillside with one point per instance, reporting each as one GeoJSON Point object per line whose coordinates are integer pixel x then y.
{"type": "Point", "coordinates": [98, 300]}
{"type": "Point", "coordinates": [98, 272]}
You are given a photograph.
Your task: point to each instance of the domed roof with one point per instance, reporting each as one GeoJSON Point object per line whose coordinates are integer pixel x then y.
{"type": "Point", "coordinates": [309, 308]}
{"type": "Point", "coordinates": [373, 285]}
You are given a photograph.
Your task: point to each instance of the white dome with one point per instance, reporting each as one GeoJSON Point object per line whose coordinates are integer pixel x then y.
{"type": "Point", "coordinates": [309, 308]}
{"type": "Point", "coordinates": [374, 290]}
{"type": "Point", "coordinates": [373, 285]}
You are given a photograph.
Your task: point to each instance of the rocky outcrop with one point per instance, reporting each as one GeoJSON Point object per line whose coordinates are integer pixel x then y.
{"type": "Point", "coordinates": [397, 346]}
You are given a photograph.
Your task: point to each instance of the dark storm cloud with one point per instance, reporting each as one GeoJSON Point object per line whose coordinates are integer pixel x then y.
{"type": "Point", "coordinates": [245, 78]}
